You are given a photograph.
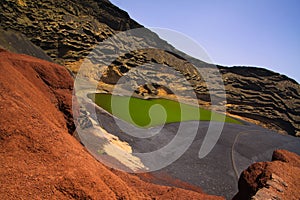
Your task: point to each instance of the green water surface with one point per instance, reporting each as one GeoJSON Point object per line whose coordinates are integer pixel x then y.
{"type": "Point", "coordinates": [153, 112]}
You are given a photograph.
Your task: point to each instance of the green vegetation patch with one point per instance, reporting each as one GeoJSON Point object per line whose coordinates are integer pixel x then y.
{"type": "Point", "coordinates": [153, 112]}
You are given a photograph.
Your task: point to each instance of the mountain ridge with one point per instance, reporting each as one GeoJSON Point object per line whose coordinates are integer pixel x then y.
{"type": "Point", "coordinates": [68, 31]}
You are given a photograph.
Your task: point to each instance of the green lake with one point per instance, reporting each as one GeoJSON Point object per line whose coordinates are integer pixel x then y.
{"type": "Point", "coordinates": [147, 113]}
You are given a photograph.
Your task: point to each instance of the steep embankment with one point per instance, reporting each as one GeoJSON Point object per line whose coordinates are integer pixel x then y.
{"type": "Point", "coordinates": [39, 158]}
{"type": "Point", "coordinates": [278, 179]}
{"type": "Point", "coordinates": [68, 30]}
{"type": "Point", "coordinates": [19, 43]}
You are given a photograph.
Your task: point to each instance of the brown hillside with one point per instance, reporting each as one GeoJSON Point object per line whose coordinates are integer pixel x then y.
{"type": "Point", "coordinates": [39, 158]}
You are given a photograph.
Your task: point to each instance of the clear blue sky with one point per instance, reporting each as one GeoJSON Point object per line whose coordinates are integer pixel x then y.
{"type": "Point", "coordinates": [263, 33]}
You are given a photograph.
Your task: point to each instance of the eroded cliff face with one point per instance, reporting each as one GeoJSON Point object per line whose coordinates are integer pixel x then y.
{"type": "Point", "coordinates": [278, 179]}
{"type": "Point", "coordinates": [271, 99]}
{"type": "Point", "coordinates": [39, 158]}
{"type": "Point", "coordinates": [66, 30]}
{"type": "Point", "coordinates": [69, 30]}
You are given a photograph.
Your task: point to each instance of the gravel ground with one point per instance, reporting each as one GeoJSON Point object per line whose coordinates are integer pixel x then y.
{"type": "Point", "coordinates": [238, 147]}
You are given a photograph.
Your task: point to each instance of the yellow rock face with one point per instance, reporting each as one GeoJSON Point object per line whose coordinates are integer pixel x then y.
{"type": "Point", "coordinates": [22, 3]}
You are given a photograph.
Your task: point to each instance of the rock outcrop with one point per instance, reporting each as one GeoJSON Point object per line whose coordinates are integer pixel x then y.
{"type": "Point", "coordinates": [279, 179]}
{"type": "Point", "coordinates": [69, 30]}
{"type": "Point", "coordinates": [39, 158]}
{"type": "Point", "coordinates": [271, 99]}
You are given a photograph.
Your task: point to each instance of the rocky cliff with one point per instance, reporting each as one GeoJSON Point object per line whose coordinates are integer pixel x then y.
{"type": "Point", "coordinates": [39, 158]}
{"type": "Point", "coordinates": [66, 30]}
{"type": "Point", "coordinates": [69, 30]}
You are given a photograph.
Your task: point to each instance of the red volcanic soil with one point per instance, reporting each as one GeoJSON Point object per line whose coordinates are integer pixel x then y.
{"type": "Point", "coordinates": [39, 158]}
{"type": "Point", "coordinates": [163, 178]}
{"type": "Point", "coordinates": [279, 179]}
